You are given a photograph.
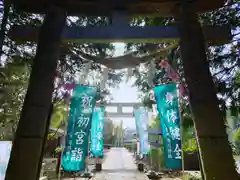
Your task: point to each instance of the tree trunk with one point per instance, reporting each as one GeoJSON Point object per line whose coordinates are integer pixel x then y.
{"type": "Point", "coordinates": [215, 151]}
{"type": "Point", "coordinates": [32, 127]}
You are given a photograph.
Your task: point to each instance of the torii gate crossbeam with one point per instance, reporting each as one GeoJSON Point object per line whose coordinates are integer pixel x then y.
{"type": "Point", "coordinates": [151, 34]}
{"type": "Point", "coordinates": [120, 112]}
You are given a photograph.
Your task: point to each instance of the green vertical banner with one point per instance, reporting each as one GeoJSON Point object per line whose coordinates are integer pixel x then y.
{"type": "Point", "coordinates": [141, 121]}
{"type": "Point", "coordinates": [96, 147]}
{"type": "Point", "coordinates": [79, 124]}
{"type": "Point", "coordinates": [167, 105]}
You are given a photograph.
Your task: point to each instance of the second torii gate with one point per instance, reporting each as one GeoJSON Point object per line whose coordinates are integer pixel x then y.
{"type": "Point", "coordinates": [120, 113]}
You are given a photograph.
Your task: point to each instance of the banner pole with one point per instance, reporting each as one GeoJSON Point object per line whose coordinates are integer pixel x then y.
{"type": "Point", "coordinates": [65, 127]}
{"type": "Point", "coordinates": [181, 126]}
{"type": "Point", "coordinates": [88, 145]}
{"type": "Point", "coordinates": [87, 158]}
{"type": "Point", "coordinates": [199, 158]}
{"type": "Point", "coordinates": [181, 130]}
{"type": "Point", "coordinates": [151, 161]}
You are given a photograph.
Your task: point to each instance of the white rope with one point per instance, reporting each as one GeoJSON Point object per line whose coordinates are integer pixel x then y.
{"type": "Point", "coordinates": [151, 73]}
{"type": "Point", "coordinates": [88, 67]}
{"type": "Point", "coordinates": [81, 79]}
{"type": "Point", "coordinates": [84, 75]}
{"type": "Point", "coordinates": [129, 73]}
{"type": "Point", "coordinates": [128, 60]}
{"type": "Point", "coordinates": [104, 78]}
{"type": "Point", "coordinates": [154, 109]}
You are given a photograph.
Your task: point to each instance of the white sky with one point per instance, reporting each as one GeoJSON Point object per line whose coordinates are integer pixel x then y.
{"type": "Point", "coordinates": [125, 92]}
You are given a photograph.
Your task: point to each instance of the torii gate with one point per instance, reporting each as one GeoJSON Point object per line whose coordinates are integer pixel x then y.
{"type": "Point", "coordinates": [120, 110]}
{"type": "Point", "coordinates": [119, 113]}
{"type": "Point", "coordinates": [30, 136]}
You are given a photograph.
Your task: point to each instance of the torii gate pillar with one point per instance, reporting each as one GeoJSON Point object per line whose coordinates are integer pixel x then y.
{"type": "Point", "coordinates": [208, 121]}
